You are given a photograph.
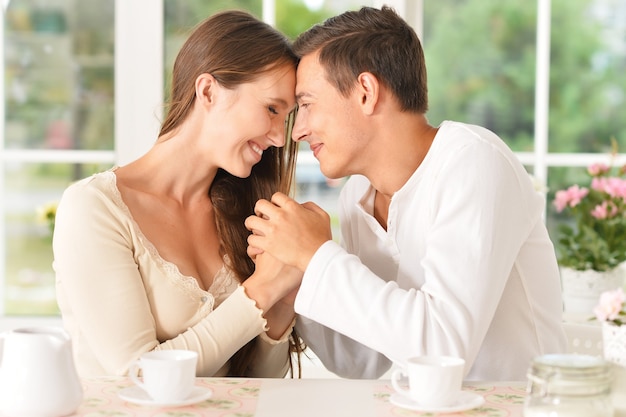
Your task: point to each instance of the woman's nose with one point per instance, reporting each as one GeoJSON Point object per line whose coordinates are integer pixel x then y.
{"type": "Point", "coordinates": [276, 134]}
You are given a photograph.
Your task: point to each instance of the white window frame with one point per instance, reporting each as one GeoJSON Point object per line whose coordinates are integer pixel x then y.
{"type": "Point", "coordinates": [139, 96]}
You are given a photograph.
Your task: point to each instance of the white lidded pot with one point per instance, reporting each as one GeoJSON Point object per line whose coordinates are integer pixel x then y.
{"type": "Point", "coordinates": [38, 377]}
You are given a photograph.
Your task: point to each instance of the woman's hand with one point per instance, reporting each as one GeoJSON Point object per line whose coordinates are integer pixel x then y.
{"type": "Point", "coordinates": [273, 286]}
{"type": "Point", "coordinates": [272, 281]}
{"type": "Point", "coordinates": [281, 315]}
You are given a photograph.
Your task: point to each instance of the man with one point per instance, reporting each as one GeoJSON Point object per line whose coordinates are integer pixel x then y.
{"type": "Point", "coordinates": [444, 247]}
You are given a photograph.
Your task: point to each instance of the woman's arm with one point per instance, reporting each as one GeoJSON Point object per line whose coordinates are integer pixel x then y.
{"type": "Point", "coordinates": [105, 298]}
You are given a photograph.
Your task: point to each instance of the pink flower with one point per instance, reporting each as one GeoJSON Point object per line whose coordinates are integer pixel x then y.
{"type": "Point", "coordinates": [598, 169]}
{"type": "Point", "coordinates": [570, 197]}
{"type": "Point", "coordinates": [614, 187]}
{"type": "Point", "coordinates": [604, 211]}
{"type": "Point", "coordinates": [610, 306]}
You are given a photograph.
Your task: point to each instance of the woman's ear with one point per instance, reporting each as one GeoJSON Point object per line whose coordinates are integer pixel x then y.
{"type": "Point", "coordinates": [206, 87]}
{"type": "Point", "coordinates": [368, 89]}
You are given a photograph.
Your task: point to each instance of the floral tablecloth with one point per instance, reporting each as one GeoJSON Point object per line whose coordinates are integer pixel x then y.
{"type": "Point", "coordinates": [239, 397]}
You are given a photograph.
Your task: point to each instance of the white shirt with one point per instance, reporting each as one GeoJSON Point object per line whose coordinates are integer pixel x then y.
{"type": "Point", "coordinates": [465, 268]}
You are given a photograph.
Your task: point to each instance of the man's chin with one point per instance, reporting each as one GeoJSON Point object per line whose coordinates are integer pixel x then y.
{"type": "Point", "coordinates": [331, 174]}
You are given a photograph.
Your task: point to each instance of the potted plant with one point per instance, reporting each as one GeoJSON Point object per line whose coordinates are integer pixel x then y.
{"type": "Point", "coordinates": [592, 249]}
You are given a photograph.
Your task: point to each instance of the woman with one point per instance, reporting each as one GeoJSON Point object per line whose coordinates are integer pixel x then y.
{"type": "Point", "coordinates": [152, 255]}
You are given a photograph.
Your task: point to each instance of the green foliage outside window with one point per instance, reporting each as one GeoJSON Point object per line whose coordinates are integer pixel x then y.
{"type": "Point", "coordinates": [483, 71]}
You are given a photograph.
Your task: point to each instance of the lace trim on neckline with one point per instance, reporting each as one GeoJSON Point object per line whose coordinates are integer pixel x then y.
{"type": "Point", "coordinates": [222, 280]}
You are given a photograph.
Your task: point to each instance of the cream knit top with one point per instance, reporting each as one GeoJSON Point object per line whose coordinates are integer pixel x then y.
{"type": "Point", "coordinates": [119, 298]}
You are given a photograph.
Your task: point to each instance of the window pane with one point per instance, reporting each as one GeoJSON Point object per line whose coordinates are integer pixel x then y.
{"type": "Point", "coordinates": [59, 74]}
{"type": "Point", "coordinates": [587, 83]}
{"type": "Point", "coordinates": [30, 191]}
{"type": "Point", "coordinates": [480, 57]}
{"type": "Point", "coordinates": [58, 86]}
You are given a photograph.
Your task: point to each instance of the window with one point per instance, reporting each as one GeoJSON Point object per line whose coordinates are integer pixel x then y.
{"type": "Point", "coordinates": [558, 111]}
{"type": "Point", "coordinates": [57, 127]}
{"type": "Point", "coordinates": [547, 76]}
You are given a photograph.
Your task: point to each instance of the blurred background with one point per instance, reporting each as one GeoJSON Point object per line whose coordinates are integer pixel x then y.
{"type": "Point", "coordinates": [84, 81]}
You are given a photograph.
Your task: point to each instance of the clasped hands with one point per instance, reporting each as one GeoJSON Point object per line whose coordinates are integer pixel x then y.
{"type": "Point", "coordinates": [284, 237]}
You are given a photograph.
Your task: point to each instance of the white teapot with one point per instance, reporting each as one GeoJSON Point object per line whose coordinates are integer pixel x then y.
{"type": "Point", "coordinates": [37, 373]}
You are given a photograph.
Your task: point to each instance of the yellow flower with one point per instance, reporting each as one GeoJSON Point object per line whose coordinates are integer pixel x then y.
{"type": "Point", "coordinates": [46, 214]}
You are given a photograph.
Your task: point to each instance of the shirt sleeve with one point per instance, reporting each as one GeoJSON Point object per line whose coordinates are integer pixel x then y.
{"type": "Point", "coordinates": [340, 354]}
{"type": "Point", "coordinates": [272, 356]}
{"type": "Point", "coordinates": [220, 334]}
{"type": "Point", "coordinates": [100, 286]}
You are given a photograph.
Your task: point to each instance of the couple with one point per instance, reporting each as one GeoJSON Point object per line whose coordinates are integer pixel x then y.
{"type": "Point", "coordinates": [197, 245]}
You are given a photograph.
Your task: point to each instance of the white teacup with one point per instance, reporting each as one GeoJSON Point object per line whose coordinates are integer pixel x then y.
{"type": "Point", "coordinates": [434, 381]}
{"type": "Point", "coordinates": [168, 375]}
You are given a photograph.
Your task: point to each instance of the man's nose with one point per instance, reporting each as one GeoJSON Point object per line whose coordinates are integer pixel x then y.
{"type": "Point", "coordinates": [300, 130]}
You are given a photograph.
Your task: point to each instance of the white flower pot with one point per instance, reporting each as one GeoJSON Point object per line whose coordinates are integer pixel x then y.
{"type": "Point", "coordinates": [614, 345]}
{"type": "Point", "coordinates": [582, 289]}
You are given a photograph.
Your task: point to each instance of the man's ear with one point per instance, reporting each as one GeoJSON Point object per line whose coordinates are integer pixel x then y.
{"type": "Point", "coordinates": [368, 89]}
{"type": "Point", "coordinates": [206, 86]}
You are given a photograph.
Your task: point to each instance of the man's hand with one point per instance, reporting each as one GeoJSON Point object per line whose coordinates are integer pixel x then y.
{"type": "Point", "coordinates": [290, 231]}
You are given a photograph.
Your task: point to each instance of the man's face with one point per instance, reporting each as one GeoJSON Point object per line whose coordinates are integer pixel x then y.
{"type": "Point", "coordinates": [328, 121]}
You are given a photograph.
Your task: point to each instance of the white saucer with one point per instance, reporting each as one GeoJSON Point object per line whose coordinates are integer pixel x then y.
{"type": "Point", "coordinates": [465, 401]}
{"type": "Point", "coordinates": [136, 395]}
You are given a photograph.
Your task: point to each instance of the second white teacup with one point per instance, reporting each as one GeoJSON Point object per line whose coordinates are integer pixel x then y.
{"type": "Point", "coordinates": [434, 381]}
{"type": "Point", "coordinates": [167, 375]}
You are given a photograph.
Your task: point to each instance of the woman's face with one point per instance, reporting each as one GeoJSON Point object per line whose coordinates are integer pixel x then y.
{"type": "Point", "coordinates": [252, 118]}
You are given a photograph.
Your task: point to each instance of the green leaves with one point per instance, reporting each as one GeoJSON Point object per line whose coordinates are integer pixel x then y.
{"type": "Point", "coordinates": [587, 249]}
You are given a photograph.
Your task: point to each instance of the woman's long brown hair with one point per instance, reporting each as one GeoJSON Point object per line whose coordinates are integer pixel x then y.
{"type": "Point", "coordinates": [236, 48]}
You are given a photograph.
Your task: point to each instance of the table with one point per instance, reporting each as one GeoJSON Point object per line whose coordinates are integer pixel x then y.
{"type": "Point", "coordinates": [249, 397]}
